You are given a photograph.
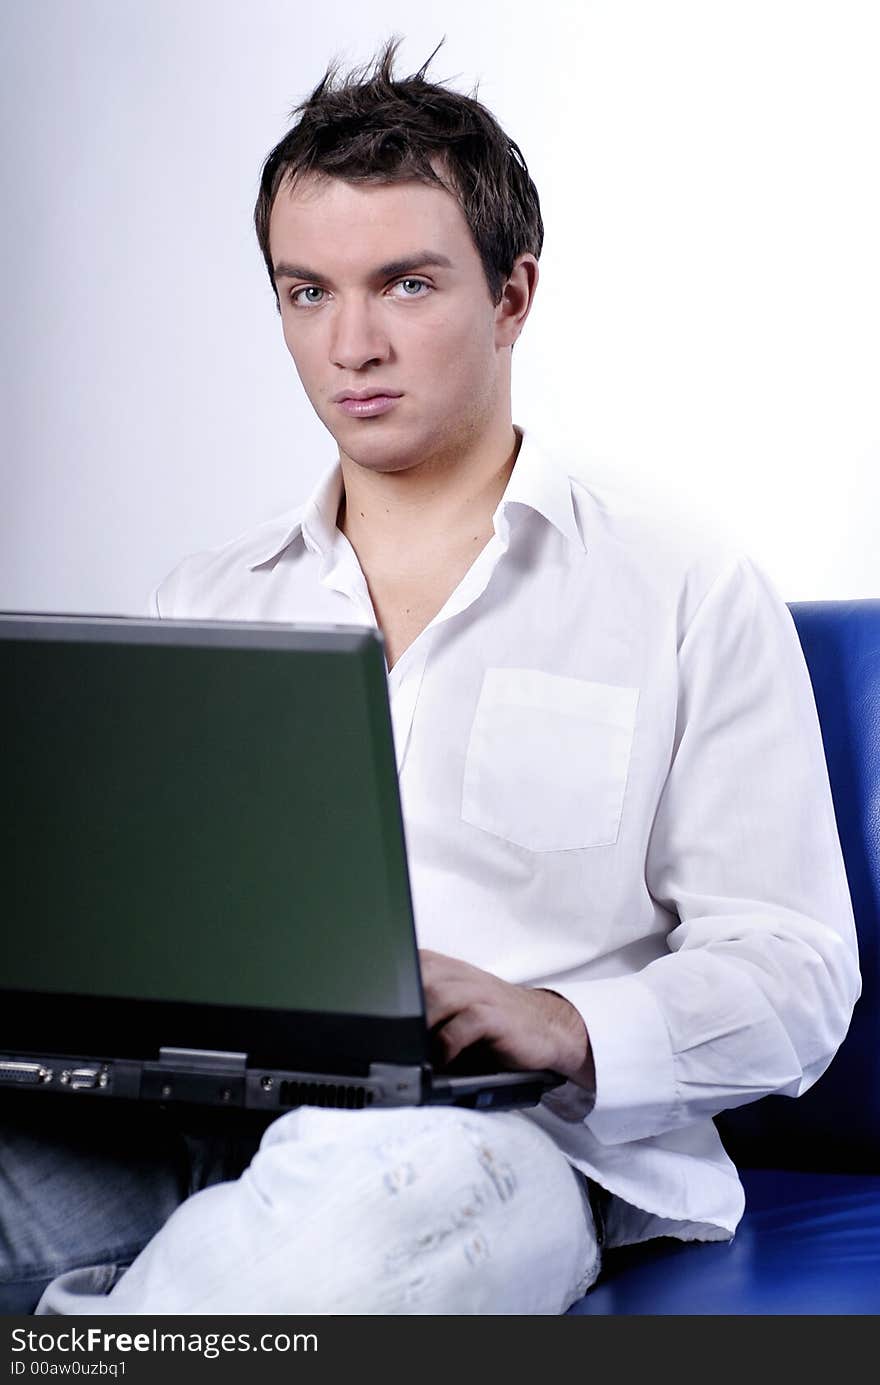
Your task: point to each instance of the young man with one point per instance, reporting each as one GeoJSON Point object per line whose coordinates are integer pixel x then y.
{"type": "Point", "coordinates": [622, 844]}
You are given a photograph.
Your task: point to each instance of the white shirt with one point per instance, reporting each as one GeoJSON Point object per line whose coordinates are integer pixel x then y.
{"type": "Point", "coordinates": [613, 786]}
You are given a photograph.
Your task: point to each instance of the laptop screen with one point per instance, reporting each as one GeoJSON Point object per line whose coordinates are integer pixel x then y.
{"type": "Point", "coordinates": [202, 812]}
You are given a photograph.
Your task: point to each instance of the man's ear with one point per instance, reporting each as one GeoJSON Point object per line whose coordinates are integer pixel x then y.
{"type": "Point", "coordinates": [516, 300]}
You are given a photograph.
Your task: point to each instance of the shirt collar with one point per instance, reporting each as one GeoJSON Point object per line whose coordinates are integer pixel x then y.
{"type": "Point", "coordinates": [536, 482]}
{"type": "Point", "coordinates": [315, 520]}
{"type": "Point", "coordinates": [539, 483]}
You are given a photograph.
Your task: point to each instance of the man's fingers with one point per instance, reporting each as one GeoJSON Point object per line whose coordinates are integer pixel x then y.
{"type": "Point", "coordinates": [441, 1004]}
{"type": "Point", "coordinates": [459, 1033]}
{"type": "Point", "coordinates": [522, 1027]}
{"type": "Point", "coordinates": [446, 996]}
{"type": "Point", "coordinates": [466, 1006]}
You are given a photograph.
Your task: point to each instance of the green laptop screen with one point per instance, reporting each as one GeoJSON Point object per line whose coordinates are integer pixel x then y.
{"type": "Point", "coordinates": [203, 822]}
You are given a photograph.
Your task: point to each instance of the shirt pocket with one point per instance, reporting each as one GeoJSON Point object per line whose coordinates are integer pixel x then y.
{"type": "Point", "coordinates": [547, 760]}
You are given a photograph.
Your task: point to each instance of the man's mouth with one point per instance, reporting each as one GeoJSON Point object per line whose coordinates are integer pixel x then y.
{"type": "Point", "coordinates": [366, 403]}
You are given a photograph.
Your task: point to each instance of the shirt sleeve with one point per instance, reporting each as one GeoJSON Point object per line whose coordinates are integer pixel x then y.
{"type": "Point", "coordinates": [757, 989]}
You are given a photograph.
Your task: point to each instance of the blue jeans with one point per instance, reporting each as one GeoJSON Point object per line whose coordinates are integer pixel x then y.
{"type": "Point", "coordinates": [94, 1191]}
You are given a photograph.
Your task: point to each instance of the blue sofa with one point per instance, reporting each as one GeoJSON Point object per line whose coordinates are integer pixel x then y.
{"type": "Point", "coordinates": [809, 1241]}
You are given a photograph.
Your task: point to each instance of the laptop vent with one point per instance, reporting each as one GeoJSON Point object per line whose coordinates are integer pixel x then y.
{"type": "Point", "coordinates": [352, 1098]}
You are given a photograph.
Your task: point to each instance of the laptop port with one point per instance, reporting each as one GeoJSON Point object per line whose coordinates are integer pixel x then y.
{"type": "Point", "coordinates": [82, 1079]}
{"type": "Point", "coordinates": [25, 1074]}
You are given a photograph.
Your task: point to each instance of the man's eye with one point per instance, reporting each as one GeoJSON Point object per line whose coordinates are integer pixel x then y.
{"type": "Point", "coordinates": [409, 284]}
{"type": "Point", "coordinates": [308, 289]}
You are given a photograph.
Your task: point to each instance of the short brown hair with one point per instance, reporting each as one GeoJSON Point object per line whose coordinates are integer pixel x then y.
{"type": "Point", "coordinates": [372, 127]}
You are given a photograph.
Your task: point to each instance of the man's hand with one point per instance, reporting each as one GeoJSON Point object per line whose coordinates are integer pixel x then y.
{"type": "Point", "coordinates": [524, 1027]}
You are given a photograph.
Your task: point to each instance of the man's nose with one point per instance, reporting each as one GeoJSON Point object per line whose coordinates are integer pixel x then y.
{"type": "Point", "coordinates": [358, 336]}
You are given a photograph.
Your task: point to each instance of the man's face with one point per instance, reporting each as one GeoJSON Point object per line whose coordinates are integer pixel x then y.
{"type": "Point", "coordinates": [363, 308]}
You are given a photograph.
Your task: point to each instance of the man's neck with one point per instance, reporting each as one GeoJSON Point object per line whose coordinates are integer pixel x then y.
{"type": "Point", "coordinates": [421, 513]}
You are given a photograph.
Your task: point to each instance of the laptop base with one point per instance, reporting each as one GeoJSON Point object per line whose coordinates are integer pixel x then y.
{"type": "Point", "coordinates": [216, 1079]}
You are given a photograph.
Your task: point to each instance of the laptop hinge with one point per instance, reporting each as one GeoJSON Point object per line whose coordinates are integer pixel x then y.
{"type": "Point", "coordinates": [203, 1060]}
{"type": "Point", "coordinates": [204, 1075]}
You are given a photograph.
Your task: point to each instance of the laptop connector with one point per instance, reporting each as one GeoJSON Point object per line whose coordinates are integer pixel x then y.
{"type": "Point", "coordinates": [24, 1074]}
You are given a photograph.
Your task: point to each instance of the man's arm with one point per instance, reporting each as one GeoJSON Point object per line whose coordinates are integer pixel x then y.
{"type": "Point", "coordinates": [756, 991]}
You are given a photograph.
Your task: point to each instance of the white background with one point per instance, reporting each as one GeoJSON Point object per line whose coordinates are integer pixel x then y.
{"type": "Point", "coordinates": [707, 322]}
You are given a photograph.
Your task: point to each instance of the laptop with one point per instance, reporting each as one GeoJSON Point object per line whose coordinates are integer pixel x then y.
{"type": "Point", "coordinates": [203, 874]}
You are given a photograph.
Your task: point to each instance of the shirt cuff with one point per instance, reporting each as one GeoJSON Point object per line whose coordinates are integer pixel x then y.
{"type": "Point", "coordinates": [635, 1071]}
